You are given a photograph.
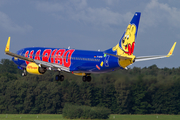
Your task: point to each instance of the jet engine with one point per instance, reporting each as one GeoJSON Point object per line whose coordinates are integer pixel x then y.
{"type": "Point", "coordinates": [33, 68]}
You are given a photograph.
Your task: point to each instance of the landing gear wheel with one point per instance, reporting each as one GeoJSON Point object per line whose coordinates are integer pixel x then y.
{"type": "Point", "coordinates": [86, 78]}
{"type": "Point", "coordinates": [59, 77]}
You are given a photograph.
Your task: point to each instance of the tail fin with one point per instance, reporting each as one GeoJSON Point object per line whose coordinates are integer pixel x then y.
{"type": "Point", "coordinates": [127, 42]}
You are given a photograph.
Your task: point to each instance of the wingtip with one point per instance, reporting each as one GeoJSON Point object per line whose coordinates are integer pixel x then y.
{"type": "Point", "coordinates": [7, 45]}
{"type": "Point", "coordinates": [172, 49]}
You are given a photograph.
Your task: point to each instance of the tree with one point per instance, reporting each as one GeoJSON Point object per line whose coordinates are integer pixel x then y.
{"type": "Point", "coordinates": [122, 87]}
{"type": "Point", "coordinates": [139, 100]}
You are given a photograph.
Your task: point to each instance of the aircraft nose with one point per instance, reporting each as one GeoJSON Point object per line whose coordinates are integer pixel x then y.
{"type": "Point", "coordinates": [13, 59]}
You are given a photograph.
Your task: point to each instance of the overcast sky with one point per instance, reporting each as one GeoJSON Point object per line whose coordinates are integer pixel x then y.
{"type": "Point", "coordinates": [92, 25]}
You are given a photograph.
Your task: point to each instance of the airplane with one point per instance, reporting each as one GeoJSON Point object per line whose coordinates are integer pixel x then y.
{"type": "Point", "coordinates": [37, 60]}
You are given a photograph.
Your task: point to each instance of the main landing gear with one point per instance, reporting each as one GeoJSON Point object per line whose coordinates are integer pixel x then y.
{"type": "Point", "coordinates": [86, 78]}
{"type": "Point", "coordinates": [24, 73]}
{"type": "Point", "coordinates": [59, 77]}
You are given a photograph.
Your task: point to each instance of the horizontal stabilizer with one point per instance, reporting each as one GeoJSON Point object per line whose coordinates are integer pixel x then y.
{"type": "Point", "coordinates": [143, 58]}
{"type": "Point", "coordinates": [119, 56]}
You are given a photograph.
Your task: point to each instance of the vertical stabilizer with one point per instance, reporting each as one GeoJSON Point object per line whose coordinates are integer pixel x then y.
{"type": "Point", "coordinates": [127, 42]}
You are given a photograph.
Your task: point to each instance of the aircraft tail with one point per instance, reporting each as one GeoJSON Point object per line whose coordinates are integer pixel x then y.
{"type": "Point", "coordinates": [125, 48]}
{"type": "Point", "coordinates": [126, 45]}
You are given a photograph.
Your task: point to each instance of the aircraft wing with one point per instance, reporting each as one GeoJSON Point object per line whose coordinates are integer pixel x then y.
{"type": "Point", "coordinates": [52, 65]}
{"type": "Point", "coordinates": [38, 62]}
{"type": "Point", "coordinates": [143, 58]}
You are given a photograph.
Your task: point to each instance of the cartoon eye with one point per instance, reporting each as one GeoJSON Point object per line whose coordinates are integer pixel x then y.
{"type": "Point", "coordinates": [123, 41]}
{"type": "Point", "coordinates": [128, 37]}
{"type": "Point", "coordinates": [125, 36]}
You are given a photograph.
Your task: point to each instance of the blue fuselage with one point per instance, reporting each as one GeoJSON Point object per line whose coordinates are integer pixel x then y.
{"type": "Point", "coordinates": [77, 60]}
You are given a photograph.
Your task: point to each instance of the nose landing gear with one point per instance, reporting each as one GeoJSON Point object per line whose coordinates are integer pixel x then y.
{"type": "Point", "coordinates": [59, 77]}
{"type": "Point", "coordinates": [24, 73]}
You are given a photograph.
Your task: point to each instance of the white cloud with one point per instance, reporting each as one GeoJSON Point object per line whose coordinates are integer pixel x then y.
{"type": "Point", "coordinates": [80, 11]}
{"type": "Point", "coordinates": [111, 2]}
{"type": "Point", "coordinates": [101, 16]}
{"type": "Point", "coordinates": [61, 6]}
{"type": "Point", "coordinates": [79, 4]}
{"type": "Point", "coordinates": [8, 25]}
{"type": "Point", "coordinates": [160, 13]}
{"type": "Point", "coordinates": [154, 13]}
{"type": "Point", "coordinates": [49, 7]}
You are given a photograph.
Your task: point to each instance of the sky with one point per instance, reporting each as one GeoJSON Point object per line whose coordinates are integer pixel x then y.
{"type": "Point", "coordinates": [92, 25]}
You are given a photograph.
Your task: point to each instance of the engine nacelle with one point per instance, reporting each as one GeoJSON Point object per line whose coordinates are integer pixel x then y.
{"type": "Point", "coordinates": [33, 68]}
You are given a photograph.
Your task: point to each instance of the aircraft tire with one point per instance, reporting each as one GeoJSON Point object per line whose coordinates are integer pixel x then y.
{"type": "Point", "coordinates": [88, 78]}
{"type": "Point", "coordinates": [61, 78]}
{"type": "Point", "coordinates": [57, 78]}
{"type": "Point", "coordinates": [84, 78]}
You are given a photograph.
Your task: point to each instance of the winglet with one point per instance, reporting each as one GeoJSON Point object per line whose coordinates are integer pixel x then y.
{"type": "Point", "coordinates": [7, 45]}
{"type": "Point", "coordinates": [171, 51]}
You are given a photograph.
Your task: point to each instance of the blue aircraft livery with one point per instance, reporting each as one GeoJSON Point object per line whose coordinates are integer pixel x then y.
{"type": "Point", "coordinates": [37, 60]}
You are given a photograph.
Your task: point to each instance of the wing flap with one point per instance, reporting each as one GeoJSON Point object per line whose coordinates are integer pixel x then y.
{"type": "Point", "coordinates": [52, 65]}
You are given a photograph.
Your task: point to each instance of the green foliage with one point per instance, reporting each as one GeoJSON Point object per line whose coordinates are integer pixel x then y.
{"type": "Point", "coordinates": [60, 117]}
{"type": "Point", "coordinates": [148, 90]}
{"type": "Point", "coordinates": [85, 112]}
